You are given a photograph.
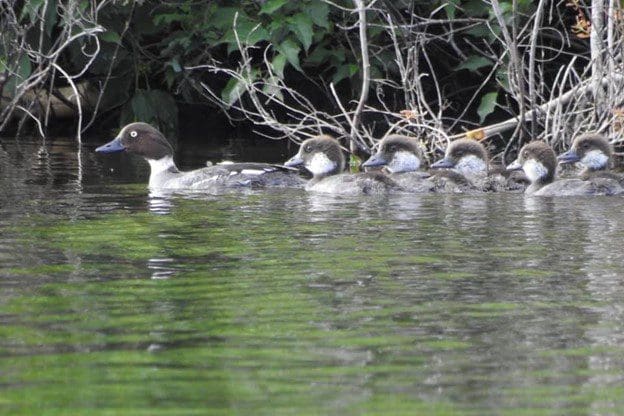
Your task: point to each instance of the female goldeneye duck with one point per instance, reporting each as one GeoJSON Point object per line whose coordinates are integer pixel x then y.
{"type": "Point", "coordinates": [146, 141]}
{"type": "Point", "coordinates": [539, 163]}
{"type": "Point", "coordinates": [593, 152]}
{"type": "Point", "coordinates": [401, 156]}
{"type": "Point", "coordinates": [323, 158]}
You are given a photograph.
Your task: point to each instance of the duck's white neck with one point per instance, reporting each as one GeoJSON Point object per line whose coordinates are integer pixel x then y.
{"type": "Point", "coordinates": [471, 165]}
{"type": "Point", "coordinates": [159, 169]}
{"type": "Point", "coordinates": [535, 171]}
{"type": "Point", "coordinates": [320, 165]}
{"type": "Point", "coordinates": [403, 162]}
{"type": "Point", "coordinates": [595, 160]}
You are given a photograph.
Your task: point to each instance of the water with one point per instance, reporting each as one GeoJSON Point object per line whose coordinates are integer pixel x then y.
{"type": "Point", "coordinates": [115, 302]}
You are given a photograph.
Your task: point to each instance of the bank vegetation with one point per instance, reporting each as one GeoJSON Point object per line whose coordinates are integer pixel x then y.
{"type": "Point", "coordinates": [505, 71]}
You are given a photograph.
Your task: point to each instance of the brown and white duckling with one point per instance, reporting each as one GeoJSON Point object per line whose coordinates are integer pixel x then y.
{"type": "Point", "coordinates": [468, 169]}
{"type": "Point", "coordinates": [539, 163]}
{"type": "Point", "coordinates": [401, 156]}
{"type": "Point", "coordinates": [323, 158]}
{"type": "Point", "coordinates": [466, 156]}
{"type": "Point", "coordinates": [593, 152]}
{"type": "Point", "coordinates": [144, 140]}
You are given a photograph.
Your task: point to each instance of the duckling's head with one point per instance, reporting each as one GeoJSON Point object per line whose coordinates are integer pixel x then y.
{"type": "Point", "coordinates": [538, 161]}
{"type": "Point", "coordinates": [591, 150]}
{"type": "Point", "coordinates": [141, 139]}
{"type": "Point", "coordinates": [397, 153]}
{"type": "Point", "coordinates": [466, 156]}
{"type": "Point", "coordinates": [321, 155]}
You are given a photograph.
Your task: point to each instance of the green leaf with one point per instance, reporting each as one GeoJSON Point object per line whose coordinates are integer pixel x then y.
{"type": "Point", "coordinates": [483, 31]}
{"type": "Point", "coordinates": [319, 13]}
{"type": "Point", "coordinates": [450, 7]}
{"type": "Point", "coordinates": [24, 69]}
{"type": "Point", "coordinates": [50, 17]}
{"type": "Point", "coordinates": [257, 34]}
{"type": "Point", "coordinates": [301, 25]}
{"type": "Point", "coordinates": [278, 64]}
{"type": "Point", "coordinates": [30, 9]}
{"type": "Point", "coordinates": [502, 77]}
{"type": "Point", "coordinates": [272, 89]}
{"type": "Point", "coordinates": [223, 18]}
{"type": "Point", "coordinates": [272, 5]}
{"type": "Point", "coordinates": [487, 105]}
{"type": "Point", "coordinates": [345, 71]}
{"type": "Point", "coordinates": [110, 36]}
{"type": "Point", "coordinates": [474, 8]}
{"type": "Point", "coordinates": [319, 55]}
{"type": "Point", "coordinates": [474, 62]}
{"type": "Point", "coordinates": [290, 50]}
{"type": "Point", "coordinates": [354, 163]}
{"type": "Point", "coordinates": [248, 32]}
{"type": "Point", "coordinates": [233, 90]}
{"type": "Point", "coordinates": [22, 72]}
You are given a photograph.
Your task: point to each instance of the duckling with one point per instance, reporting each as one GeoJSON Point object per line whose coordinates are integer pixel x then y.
{"type": "Point", "coordinates": [539, 163]}
{"type": "Point", "coordinates": [592, 151]}
{"type": "Point", "coordinates": [323, 158]}
{"type": "Point", "coordinates": [401, 156]}
{"type": "Point", "coordinates": [466, 168]}
{"type": "Point", "coordinates": [144, 140]}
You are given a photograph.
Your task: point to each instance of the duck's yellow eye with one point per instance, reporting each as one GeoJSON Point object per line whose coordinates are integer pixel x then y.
{"type": "Point", "coordinates": [133, 134]}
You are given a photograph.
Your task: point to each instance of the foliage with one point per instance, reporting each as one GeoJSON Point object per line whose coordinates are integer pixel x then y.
{"type": "Point", "coordinates": [445, 58]}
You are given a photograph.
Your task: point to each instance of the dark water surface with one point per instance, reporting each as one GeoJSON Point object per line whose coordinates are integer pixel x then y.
{"type": "Point", "coordinates": [113, 302]}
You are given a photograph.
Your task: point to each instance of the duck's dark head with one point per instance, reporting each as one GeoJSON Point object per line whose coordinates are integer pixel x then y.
{"type": "Point", "coordinates": [397, 153]}
{"type": "Point", "coordinates": [466, 156]}
{"type": "Point", "coordinates": [538, 161]}
{"type": "Point", "coordinates": [141, 139]}
{"type": "Point", "coordinates": [321, 155]}
{"type": "Point", "coordinates": [591, 150]}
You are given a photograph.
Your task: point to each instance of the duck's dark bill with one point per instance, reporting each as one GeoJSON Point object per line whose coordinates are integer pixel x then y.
{"type": "Point", "coordinates": [568, 157]}
{"type": "Point", "coordinates": [111, 147]}
{"type": "Point", "coordinates": [374, 160]}
{"type": "Point", "coordinates": [293, 162]}
{"type": "Point", "coordinates": [443, 164]}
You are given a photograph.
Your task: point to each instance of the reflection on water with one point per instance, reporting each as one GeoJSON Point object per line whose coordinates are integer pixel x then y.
{"type": "Point", "coordinates": [115, 301]}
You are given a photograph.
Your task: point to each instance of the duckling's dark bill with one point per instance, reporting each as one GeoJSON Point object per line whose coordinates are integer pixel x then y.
{"type": "Point", "coordinates": [293, 162]}
{"type": "Point", "coordinates": [111, 147]}
{"type": "Point", "coordinates": [443, 164]}
{"type": "Point", "coordinates": [568, 157]}
{"type": "Point", "coordinates": [375, 160]}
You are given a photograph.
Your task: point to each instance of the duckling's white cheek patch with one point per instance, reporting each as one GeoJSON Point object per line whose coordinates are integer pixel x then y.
{"type": "Point", "coordinates": [320, 163]}
{"type": "Point", "coordinates": [403, 162]}
{"type": "Point", "coordinates": [595, 160]}
{"type": "Point", "coordinates": [471, 164]}
{"type": "Point", "coordinates": [534, 170]}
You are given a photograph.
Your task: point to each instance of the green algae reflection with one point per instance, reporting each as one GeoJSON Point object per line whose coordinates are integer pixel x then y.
{"type": "Point", "coordinates": [252, 305]}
